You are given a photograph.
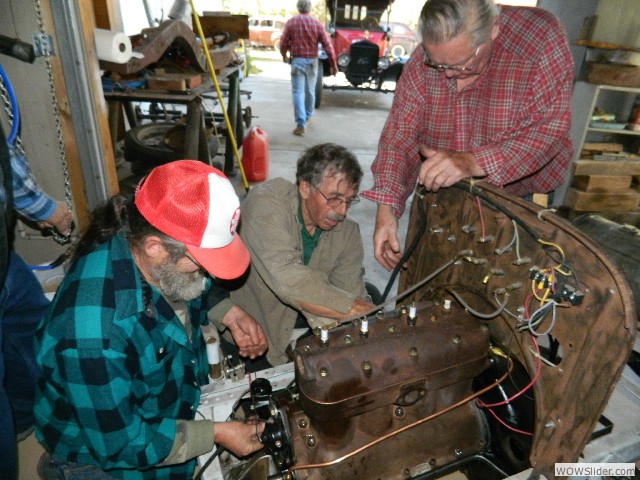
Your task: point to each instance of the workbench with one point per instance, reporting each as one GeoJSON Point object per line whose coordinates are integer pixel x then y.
{"type": "Point", "coordinates": [195, 142]}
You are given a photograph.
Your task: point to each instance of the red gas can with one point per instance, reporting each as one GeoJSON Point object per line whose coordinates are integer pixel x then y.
{"type": "Point", "coordinates": [255, 155]}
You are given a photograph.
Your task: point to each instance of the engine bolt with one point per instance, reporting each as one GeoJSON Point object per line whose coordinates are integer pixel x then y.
{"type": "Point", "coordinates": [366, 365]}
{"type": "Point", "coordinates": [458, 453]}
{"type": "Point", "coordinates": [484, 328]}
{"type": "Point", "coordinates": [391, 329]}
{"type": "Point", "coordinates": [456, 339]}
{"type": "Point", "coordinates": [399, 412]}
{"type": "Point", "coordinates": [348, 339]}
{"type": "Point", "coordinates": [324, 371]}
{"type": "Point", "coordinates": [311, 441]}
{"type": "Point", "coordinates": [278, 443]}
{"type": "Point", "coordinates": [303, 423]}
{"type": "Point", "coordinates": [413, 352]}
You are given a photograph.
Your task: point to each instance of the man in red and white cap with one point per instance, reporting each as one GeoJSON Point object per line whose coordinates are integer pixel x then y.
{"type": "Point", "coordinates": [121, 351]}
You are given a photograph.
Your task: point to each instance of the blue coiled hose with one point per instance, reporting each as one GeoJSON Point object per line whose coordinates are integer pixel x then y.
{"type": "Point", "coordinates": [14, 107]}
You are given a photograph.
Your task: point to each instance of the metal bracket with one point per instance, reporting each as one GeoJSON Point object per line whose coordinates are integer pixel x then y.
{"type": "Point", "coordinates": [43, 45]}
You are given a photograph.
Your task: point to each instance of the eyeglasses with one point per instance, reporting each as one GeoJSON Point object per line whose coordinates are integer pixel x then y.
{"type": "Point", "coordinates": [442, 67]}
{"type": "Point", "coordinates": [335, 202]}
{"type": "Point", "coordinates": [188, 255]}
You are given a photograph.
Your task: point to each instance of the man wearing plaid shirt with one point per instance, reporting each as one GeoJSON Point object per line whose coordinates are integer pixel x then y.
{"type": "Point", "coordinates": [299, 46]}
{"type": "Point", "coordinates": [488, 96]}
{"type": "Point", "coordinates": [121, 352]}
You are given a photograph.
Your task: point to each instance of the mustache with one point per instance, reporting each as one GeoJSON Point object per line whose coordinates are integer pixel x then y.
{"type": "Point", "coordinates": [336, 217]}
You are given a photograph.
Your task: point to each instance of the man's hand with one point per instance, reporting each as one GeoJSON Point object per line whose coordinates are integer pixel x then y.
{"type": "Point", "coordinates": [246, 332]}
{"type": "Point", "coordinates": [333, 70]}
{"type": "Point", "coordinates": [60, 219]}
{"type": "Point", "coordinates": [239, 438]}
{"type": "Point", "coordinates": [359, 307]}
{"type": "Point", "coordinates": [443, 168]}
{"type": "Point", "coordinates": [386, 246]}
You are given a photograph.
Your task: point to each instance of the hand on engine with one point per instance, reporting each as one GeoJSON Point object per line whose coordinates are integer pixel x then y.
{"type": "Point", "coordinates": [246, 332]}
{"type": "Point", "coordinates": [443, 168]}
{"type": "Point", "coordinates": [239, 438]}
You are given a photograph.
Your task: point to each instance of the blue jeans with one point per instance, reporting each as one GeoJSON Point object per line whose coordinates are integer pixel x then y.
{"type": "Point", "coordinates": [22, 305]}
{"type": "Point", "coordinates": [52, 468]}
{"type": "Point", "coordinates": [304, 72]}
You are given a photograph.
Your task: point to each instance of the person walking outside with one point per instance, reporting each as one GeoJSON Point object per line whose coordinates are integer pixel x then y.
{"type": "Point", "coordinates": [299, 47]}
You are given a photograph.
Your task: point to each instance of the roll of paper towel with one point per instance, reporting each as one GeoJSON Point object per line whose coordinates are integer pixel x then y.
{"type": "Point", "coordinates": [112, 46]}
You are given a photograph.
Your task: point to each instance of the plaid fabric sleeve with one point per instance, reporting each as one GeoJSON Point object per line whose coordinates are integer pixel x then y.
{"type": "Point", "coordinates": [28, 199]}
{"type": "Point", "coordinates": [395, 168]}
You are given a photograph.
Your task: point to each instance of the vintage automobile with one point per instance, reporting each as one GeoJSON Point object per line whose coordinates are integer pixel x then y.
{"type": "Point", "coordinates": [265, 31]}
{"type": "Point", "coordinates": [503, 348]}
{"type": "Point", "coordinates": [361, 43]}
{"type": "Point", "coordinates": [403, 39]}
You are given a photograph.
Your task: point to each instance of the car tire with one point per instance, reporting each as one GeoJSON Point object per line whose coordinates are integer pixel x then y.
{"type": "Point", "coordinates": [398, 51]}
{"type": "Point", "coordinates": [145, 148]}
{"type": "Point", "coordinates": [276, 44]}
{"type": "Point", "coordinates": [319, 80]}
{"type": "Point", "coordinates": [145, 144]}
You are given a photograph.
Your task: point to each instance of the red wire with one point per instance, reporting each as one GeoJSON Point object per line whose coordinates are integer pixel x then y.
{"type": "Point", "coordinates": [488, 406]}
{"type": "Point", "coordinates": [505, 424]}
{"type": "Point", "coordinates": [517, 394]}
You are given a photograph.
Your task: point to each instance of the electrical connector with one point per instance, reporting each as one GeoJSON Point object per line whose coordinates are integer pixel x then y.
{"type": "Point", "coordinates": [571, 295]}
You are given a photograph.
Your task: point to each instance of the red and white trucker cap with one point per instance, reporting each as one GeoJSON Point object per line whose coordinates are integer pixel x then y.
{"type": "Point", "coordinates": [196, 204]}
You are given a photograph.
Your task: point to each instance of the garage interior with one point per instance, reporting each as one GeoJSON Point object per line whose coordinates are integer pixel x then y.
{"type": "Point", "coordinates": [75, 124]}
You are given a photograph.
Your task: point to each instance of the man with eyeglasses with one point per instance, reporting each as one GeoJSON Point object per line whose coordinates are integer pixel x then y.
{"type": "Point", "coordinates": [487, 96]}
{"type": "Point", "coordinates": [121, 352]}
{"type": "Point", "coordinates": [306, 254]}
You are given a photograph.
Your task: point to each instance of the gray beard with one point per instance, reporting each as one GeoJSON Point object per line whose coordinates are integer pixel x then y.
{"type": "Point", "coordinates": [178, 286]}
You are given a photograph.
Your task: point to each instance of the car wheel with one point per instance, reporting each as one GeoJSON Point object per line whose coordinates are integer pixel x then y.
{"type": "Point", "coordinates": [276, 44]}
{"type": "Point", "coordinates": [145, 144]}
{"type": "Point", "coordinates": [319, 80]}
{"type": "Point", "coordinates": [398, 51]}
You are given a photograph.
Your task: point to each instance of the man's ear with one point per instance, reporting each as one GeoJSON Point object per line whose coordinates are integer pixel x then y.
{"type": "Point", "coordinates": [305, 189]}
{"type": "Point", "coordinates": [153, 246]}
{"type": "Point", "coordinates": [495, 29]}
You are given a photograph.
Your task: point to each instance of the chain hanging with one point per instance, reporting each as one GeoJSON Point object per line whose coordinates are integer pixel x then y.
{"type": "Point", "coordinates": [56, 112]}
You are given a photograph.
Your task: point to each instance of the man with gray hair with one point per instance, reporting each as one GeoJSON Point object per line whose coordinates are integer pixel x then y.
{"type": "Point", "coordinates": [299, 47]}
{"type": "Point", "coordinates": [306, 254]}
{"type": "Point", "coordinates": [487, 96]}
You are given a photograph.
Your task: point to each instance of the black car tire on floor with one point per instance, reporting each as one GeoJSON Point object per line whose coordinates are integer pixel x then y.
{"type": "Point", "coordinates": [145, 143]}
{"type": "Point", "coordinates": [145, 148]}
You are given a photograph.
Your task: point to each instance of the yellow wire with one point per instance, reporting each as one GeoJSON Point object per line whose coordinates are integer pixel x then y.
{"type": "Point", "coordinates": [232, 137]}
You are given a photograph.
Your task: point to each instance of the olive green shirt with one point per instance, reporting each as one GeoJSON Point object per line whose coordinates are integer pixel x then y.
{"type": "Point", "coordinates": [278, 280]}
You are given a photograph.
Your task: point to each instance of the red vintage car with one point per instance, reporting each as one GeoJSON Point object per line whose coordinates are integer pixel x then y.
{"type": "Point", "coordinates": [361, 43]}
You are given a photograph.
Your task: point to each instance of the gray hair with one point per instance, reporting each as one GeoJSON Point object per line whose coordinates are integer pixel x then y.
{"type": "Point", "coordinates": [443, 20]}
{"type": "Point", "coordinates": [304, 6]}
{"type": "Point", "coordinates": [328, 159]}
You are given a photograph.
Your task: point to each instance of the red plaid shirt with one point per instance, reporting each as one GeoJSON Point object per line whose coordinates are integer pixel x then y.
{"type": "Point", "coordinates": [514, 118]}
{"type": "Point", "coordinates": [301, 37]}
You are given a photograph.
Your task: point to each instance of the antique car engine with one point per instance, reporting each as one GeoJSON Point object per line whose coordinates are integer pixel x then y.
{"type": "Point", "coordinates": [502, 348]}
{"type": "Point", "coordinates": [393, 378]}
